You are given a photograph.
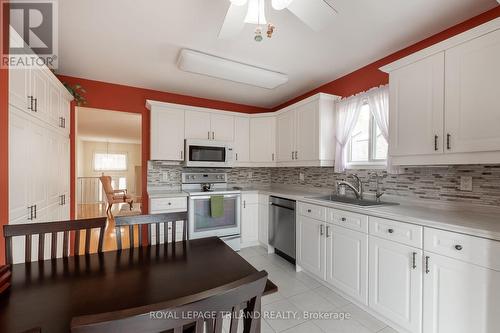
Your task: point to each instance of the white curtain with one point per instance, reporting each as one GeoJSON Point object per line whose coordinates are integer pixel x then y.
{"type": "Point", "coordinates": [347, 114]}
{"type": "Point", "coordinates": [378, 100]}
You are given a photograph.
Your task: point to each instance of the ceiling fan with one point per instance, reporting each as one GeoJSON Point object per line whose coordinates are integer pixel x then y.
{"type": "Point", "coordinates": [316, 14]}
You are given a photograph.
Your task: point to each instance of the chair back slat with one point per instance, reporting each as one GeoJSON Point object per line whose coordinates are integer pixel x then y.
{"type": "Point", "coordinates": [53, 245]}
{"type": "Point", "coordinates": [227, 299]}
{"type": "Point", "coordinates": [154, 220]}
{"type": "Point", "coordinates": [27, 249]}
{"type": "Point", "coordinates": [53, 228]}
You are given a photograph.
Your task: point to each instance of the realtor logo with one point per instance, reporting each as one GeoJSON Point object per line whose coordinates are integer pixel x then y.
{"type": "Point", "coordinates": [32, 34]}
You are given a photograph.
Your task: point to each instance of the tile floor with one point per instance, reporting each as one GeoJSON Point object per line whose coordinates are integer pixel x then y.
{"type": "Point", "coordinates": [298, 293]}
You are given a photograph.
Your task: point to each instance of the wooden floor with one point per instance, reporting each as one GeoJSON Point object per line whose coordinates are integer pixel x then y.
{"type": "Point", "coordinates": [99, 210]}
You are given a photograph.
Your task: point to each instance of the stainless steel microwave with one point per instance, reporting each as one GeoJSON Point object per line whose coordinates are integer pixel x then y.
{"type": "Point", "coordinates": [208, 153]}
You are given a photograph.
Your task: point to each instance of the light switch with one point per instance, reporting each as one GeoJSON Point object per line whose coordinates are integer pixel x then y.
{"type": "Point", "coordinates": [250, 174]}
{"type": "Point", "coordinates": [466, 183]}
{"type": "Point", "coordinates": [165, 176]}
{"type": "Point", "coordinates": [301, 176]}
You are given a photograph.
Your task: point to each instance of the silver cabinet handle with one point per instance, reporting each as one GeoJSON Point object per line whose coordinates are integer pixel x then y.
{"type": "Point", "coordinates": [435, 142]}
{"type": "Point", "coordinates": [31, 213]}
{"type": "Point", "coordinates": [236, 156]}
{"type": "Point", "coordinates": [458, 247]}
{"type": "Point", "coordinates": [273, 156]}
{"type": "Point", "coordinates": [414, 259]}
{"type": "Point", "coordinates": [427, 271]}
{"type": "Point", "coordinates": [182, 154]}
{"type": "Point", "coordinates": [448, 141]}
{"type": "Point", "coordinates": [292, 155]}
{"type": "Point", "coordinates": [327, 231]}
{"type": "Point", "coordinates": [36, 107]}
{"type": "Point", "coordinates": [213, 135]}
{"type": "Point", "coordinates": [208, 135]}
{"type": "Point", "coordinates": [30, 103]}
{"type": "Point", "coordinates": [391, 231]}
{"type": "Point", "coordinates": [35, 212]}
{"type": "Point", "coordinates": [244, 204]}
{"type": "Point", "coordinates": [321, 232]}
{"type": "Point", "coordinates": [296, 155]}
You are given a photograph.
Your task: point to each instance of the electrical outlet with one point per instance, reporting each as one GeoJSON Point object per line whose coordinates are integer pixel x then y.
{"type": "Point", "coordinates": [164, 176]}
{"type": "Point", "coordinates": [301, 176]}
{"type": "Point", "coordinates": [250, 174]}
{"type": "Point", "coordinates": [466, 183]}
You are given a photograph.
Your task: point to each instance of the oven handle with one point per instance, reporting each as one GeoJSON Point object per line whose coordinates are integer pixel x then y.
{"type": "Point", "coordinates": [201, 197]}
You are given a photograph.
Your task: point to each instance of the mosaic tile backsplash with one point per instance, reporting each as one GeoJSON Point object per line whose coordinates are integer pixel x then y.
{"type": "Point", "coordinates": [427, 183]}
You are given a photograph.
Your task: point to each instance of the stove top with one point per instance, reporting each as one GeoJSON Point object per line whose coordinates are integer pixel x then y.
{"type": "Point", "coordinates": [206, 183]}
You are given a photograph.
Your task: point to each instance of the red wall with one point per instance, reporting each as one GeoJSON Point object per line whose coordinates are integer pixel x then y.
{"type": "Point", "coordinates": [4, 135]}
{"type": "Point", "coordinates": [370, 76]}
{"type": "Point", "coordinates": [108, 96]}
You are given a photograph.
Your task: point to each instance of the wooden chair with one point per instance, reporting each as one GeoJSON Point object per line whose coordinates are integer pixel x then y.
{"type": "Point", "coordinates": [40, 229]}
{"type": "Point", "coordinates": [169, 221]}
{"type": "Point", "coordinates": [5, 276]}
{"type": "Point", "coordinates": [242, 295]}
{"type": "Point", "coordinates": [114, 196]}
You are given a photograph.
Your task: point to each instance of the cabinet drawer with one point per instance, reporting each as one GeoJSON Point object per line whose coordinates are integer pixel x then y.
{"type": "Point", "coordinates": [250, 198]}
{"type": "Point", "coordinates": [348, 220]}
{"type": "Point", "coordinates": [313, 211]}
{"type": "Point", "coordinates": [159, 205]}
{"type": "Point", "coordinates": [405, 233]}
{"type": "Point", "coordinates": [475, 250]}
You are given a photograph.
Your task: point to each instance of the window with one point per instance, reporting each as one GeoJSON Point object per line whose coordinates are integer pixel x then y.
{"type": "Point", "coordinates": [110, 162]}
{"type": "Point", "coordinates": [367, 145]}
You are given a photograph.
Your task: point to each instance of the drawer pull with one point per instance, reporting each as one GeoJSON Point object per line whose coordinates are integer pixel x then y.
{"type": "Point", "coordinates": [321, 232]}
{"type": "Point", "coordinates": [170, 204]}
{"type": "Point", "coordinates": [343, 219]}
{"type": "Point", "coordinates": [414, 259]}
{"type": "Point", "coordinates": [308, 210]}
{"type": "Point", "coordinates": [458, 247]}
{"type": "Point", "coordinates": [391, 231]}
{"type": "Point", "coordinates": [427, 271]}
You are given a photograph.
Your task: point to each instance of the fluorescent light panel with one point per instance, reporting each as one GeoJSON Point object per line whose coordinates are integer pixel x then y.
{"type": "Point", "coordinates": [209, 65]}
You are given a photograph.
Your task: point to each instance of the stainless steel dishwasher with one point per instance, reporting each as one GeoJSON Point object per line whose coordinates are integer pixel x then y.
{"type": "Point", "coordinates": [282, 227]}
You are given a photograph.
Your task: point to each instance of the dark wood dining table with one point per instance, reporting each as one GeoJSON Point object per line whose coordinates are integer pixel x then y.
{"type": "Point", "coordinates": [47, 294]}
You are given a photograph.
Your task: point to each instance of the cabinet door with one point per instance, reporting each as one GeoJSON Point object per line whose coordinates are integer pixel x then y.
{"type": "Point", "coordinates": [460, 297]}
{"type": "Point", "coordinates": [222, 127]}
{"type": "Point", "coordinates": [167, 134]}
{"type": "Point", "coordinates": [262, 139]}
{"type": "Point", "coordinates": [347, 261]}
{"type": "Point", "coordinates": [285, 136]}
{"type": "Point", "coordinates": [396, 283]}
{"type": "Point", "coordinates": [38, 167]}
{"type": "Point", "coordinates": [198, 125]}
{"type": "Point", "coordinates": [65, 113]}
{"type": "Point", "coordinates": [19, 87]}
{"type": "Point", "coordinates": [472, 115]}
{"type": "Point", "coordinates": [54, 116]}
{"type": "Point", "coordinates": [249, 223]}
{"type": "Point", "coordinates": [263, 219]}
{"type": "Point", "coordinates": [54, 177]}
{"type": "Point", "coordinates": [19, 168]}
{"type": "Point", "coordinates": [311, 246]}
{"type": "Point", "coordinates": [307, 132]}
{"type": "Point", "coordinates": [242, 139]}
{"type": "Point", "coordinates": [416, 107]}
{"type": "Point", "coordinates": [39, 89]}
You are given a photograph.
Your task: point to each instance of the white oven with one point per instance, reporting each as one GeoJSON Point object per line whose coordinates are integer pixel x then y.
{"type": "Point", "coordinates": [202, 224]}
{"type": "Point", "coordinates": [208, 154]}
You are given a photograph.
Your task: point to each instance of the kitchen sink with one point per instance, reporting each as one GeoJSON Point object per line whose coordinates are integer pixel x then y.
{"type": "Point", "coordinates": [353, 201]}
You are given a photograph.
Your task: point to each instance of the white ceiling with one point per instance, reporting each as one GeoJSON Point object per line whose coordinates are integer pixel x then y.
{"type": "Point", "coordinates": [108, 126]}
{"type": "Point", "coordinates": [137, 43]}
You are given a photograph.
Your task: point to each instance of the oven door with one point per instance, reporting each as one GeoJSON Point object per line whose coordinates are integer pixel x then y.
{"type": "Point", "coordinates": [202, 224]}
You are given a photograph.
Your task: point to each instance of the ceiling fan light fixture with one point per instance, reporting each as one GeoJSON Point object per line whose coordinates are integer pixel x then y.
{"type": "Point", "coordinates": [280, 4]}
{"type": "Point", "coordinates": [256, 13]}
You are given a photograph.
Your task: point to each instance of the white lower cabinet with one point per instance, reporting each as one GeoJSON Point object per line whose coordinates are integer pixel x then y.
{"type": "Point", "coordinates": [396, 282]}
{"type": "Point", "coordinates": [460, 297]}
{"type": "Point", "coordinates": [263, 219]}
{"type": "Point", "coordinates": [311, 245]}
{"type": "Point", "coordinates": [347, 261]}
{"type": "Point", "coordinates": [249, 220]}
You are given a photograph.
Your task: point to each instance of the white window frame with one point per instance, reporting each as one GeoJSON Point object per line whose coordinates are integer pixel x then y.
{"type": "Point", "coordinates": [110, 153]}
{"type": "Point", "coordinates": [372, 163]}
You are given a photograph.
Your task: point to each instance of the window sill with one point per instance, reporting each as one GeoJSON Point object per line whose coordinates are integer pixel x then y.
{"type": "Point", "coordinates": [367, 166]}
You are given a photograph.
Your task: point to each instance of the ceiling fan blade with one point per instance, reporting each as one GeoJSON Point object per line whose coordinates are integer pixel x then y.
{"type": "Point", "coordinates": [317, 14]}
{"type": "Point", "coordinates": [234, 21]}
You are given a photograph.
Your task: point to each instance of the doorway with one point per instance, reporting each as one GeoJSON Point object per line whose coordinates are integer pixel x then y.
{"type": "Point", "coordinates": [108, 144]}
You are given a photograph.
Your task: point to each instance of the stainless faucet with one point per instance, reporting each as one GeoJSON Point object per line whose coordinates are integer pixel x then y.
{"type": "Point", "coordinates": [358, 190]}
{"type": "Point", "coordinates": [378, 193]}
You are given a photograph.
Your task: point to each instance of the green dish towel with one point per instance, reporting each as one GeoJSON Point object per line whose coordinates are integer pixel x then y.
{"type": "Point", "coordinates": [217, 206]}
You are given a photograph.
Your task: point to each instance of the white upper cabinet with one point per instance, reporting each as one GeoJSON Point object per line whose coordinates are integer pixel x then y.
{"type": "Point", "coordinates": [444, 101]}
{"type": "Point", "coordinates": [306, 132]}
{"type": "Point", "coordinates": [241, 145]}
{"type": "Point", "coordinates": [472, 114]}
{"type": "Point", "coordinates": [19, 88]}
{"type": "Point", "coordinates": [209, 126]}
{"type": "Point", "coordinates": [222, 127]}
{"type": "Point", "coordinates": [285, 137]}
{"type": "Point", "coordinates": [167, 134]}
{"type": "Point", "coordinates": [262, 140]}
{"type": "Point", "coordinates": [197, 125]}
{"type": "Point", "coordinates": [416, 107]}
